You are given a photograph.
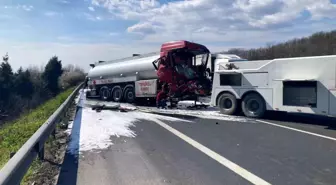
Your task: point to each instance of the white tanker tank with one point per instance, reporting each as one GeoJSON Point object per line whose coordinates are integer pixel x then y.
{"type": "Point", "coordinates": [124, 79]}
{"type": "Point", "coordinates": [140, 67]}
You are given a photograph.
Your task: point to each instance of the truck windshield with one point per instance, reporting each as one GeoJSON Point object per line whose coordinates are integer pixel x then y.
{"type": "Point", "coordinates": [202, 59]}
{"type": "Point", "coordinates": [205, 58]}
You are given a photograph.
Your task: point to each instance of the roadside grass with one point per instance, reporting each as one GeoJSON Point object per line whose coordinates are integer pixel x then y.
{"type": "Point", "coordinates": [14, 134]}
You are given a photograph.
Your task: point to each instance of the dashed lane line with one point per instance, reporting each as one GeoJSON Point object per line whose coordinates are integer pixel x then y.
{"type": "Point", "coordinates": [222, 160]}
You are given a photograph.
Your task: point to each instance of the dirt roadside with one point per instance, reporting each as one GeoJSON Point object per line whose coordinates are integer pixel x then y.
{"type": "Point", "coordinates": [47, 171]}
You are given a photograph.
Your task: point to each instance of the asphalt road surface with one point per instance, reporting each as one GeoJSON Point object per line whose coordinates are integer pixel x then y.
{"type": "Point", "coordinates": [210, 152]}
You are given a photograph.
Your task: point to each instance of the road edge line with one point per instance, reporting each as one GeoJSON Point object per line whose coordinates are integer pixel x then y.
{"type": "Point", "coordinates": [298, 130]}
{"type": "Point", "coordinates": [222, 160]}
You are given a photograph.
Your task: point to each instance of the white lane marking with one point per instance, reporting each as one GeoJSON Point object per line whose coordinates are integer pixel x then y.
{"type": "Point", "coordinates": [298, 130]}
{"type": "Point", "coordinates": [222, 160]}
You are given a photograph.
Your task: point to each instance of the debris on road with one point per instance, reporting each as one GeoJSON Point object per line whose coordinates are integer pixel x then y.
{"type": "Point", "coordinates": [183, 109]}
{"type": "Point", "coordinates": [192, 105]}
{"type": "Point", "coordinates": [98, 107]}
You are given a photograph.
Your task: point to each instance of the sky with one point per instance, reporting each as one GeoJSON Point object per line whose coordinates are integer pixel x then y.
{"type": "Point", "coordinates": [81, 32]}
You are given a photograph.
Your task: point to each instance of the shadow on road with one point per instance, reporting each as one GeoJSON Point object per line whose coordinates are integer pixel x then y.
{"type": "Point", "coordinates": [327, 122]}
{"type": "Point", "coordinates": [69, 167]}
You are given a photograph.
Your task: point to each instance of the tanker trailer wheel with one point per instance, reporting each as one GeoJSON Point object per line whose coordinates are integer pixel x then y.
{"type": "Point", "coordinates": [104, 93]}
{"type": "Point", "coordinates": [117, 93]}
{"type": "Point", "coordinates": [227, 104]}
{"type": "Point", "coordinates": [129, 94]}
{"type": "Point", "coordinates": [253, 105]}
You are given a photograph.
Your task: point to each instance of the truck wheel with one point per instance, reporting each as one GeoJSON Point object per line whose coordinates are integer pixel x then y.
{"type": "Point", "coordinates": [117, 94]}
{"type": "Point", "coordinates": [129, 95]}
{"type": "Point", "coordinates": [227, 104]}
{"type": "Point", "coordinates": [104, 93]}
{"type": "Point", "coordinates": [253, 106]}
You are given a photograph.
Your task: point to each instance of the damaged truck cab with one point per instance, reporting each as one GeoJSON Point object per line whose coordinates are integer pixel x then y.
{"type": "Point", "coordinates": [182, 67]}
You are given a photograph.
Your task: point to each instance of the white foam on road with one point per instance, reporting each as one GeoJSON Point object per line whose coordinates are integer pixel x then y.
{"type": "Point", "coordinates": [209, 113]}
{"type": "Point", "coordinates": [93, 130]}
{"type": "Point", "coordinates": [96, 129]}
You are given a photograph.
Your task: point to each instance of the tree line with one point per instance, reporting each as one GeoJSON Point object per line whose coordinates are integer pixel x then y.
{"type": "Point", "coordinates": [320, 43]}
{"type": "Point", "coordinates": [25, 89]}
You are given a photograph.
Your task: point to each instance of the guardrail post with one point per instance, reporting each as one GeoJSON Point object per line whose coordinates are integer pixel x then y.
{"type": "Point", "coordinates": [40, 151]}
{"type": "Point", "coordinates": [41, 154]}
{"type": "Point", "coordinates": [54, 133]}
{"type": "Point", "coordinates": [11, 154]}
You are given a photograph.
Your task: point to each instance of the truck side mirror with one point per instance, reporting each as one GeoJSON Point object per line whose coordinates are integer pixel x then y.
{"type": "Point", "coordinates": [154, 64]}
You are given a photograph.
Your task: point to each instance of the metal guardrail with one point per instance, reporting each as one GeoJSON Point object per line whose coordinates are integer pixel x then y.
{"type": "Point", "coordinates": [15, 169]}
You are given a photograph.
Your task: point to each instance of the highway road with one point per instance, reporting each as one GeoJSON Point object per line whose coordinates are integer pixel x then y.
{"type": "Point", "coordinates": [126, 148]}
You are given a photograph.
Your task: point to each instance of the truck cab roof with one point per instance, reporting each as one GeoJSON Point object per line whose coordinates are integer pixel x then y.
{"type": "Point", "coordinates": [182, 44]}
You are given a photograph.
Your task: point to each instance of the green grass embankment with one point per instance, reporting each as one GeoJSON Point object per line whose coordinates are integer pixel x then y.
{"type": "Point", "coordinates": [14, 134]}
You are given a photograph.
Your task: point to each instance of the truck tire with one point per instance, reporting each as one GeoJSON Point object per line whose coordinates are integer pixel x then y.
{"type": "Point", "coordinates": [104, 93]}
{"type": "Point", "coordinates": [117, 94]}
{"type": "Point", "coordinates": [253, 106]}
{"type": "Point", "coordinates": [227, 104]}
{"type": "Point", "coordinates": [129, 94]}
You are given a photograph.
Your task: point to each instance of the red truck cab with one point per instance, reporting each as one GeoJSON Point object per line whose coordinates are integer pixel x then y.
{"type": "Point", "coordinates": [179, 67]}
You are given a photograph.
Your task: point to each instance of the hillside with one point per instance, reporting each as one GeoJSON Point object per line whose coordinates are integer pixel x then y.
{"type": "Point", "coordinates": [321, 43]}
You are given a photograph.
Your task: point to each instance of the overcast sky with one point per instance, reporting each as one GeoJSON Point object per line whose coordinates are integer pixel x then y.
{"type": "Point", "coordinates": [84, 31]}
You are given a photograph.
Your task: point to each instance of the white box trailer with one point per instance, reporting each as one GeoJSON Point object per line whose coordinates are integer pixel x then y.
{"type": "Point", "coordinates": [304, 84]}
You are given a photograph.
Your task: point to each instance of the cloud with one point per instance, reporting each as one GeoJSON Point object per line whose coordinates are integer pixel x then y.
{"type": "Point", "coordinates": [25, 7]}
{"type": "Point", "coordinates": [65, 38]}
{"type": "Point", "coordinates": [219, 24]}
{"type": "Point", "coordinates": [91, 8]}
{"type": "Point", "coordinates": [64, 1]}
{"type": "Point", "coordinates": [91, 17]}
{"type": "Point", "coordinates": [5, 16]}
{"type": "Point", "coordinates": [113, 33]}
{"type": "Point", "coordinates": [143, 28]}
{"type": "Point", "coordinates": [322, 9]}
{"type": "Point", "coordinates": [127, 9]}
{"type": "Point", "coordinates": [215, 18]}
{"type": "Point", "coordinates": [51, 13]}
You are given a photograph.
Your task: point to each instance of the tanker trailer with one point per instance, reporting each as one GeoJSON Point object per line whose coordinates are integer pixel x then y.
{"type": "Point", "coordinates": [137, 77]}
{"type": "Point", "coordinates": [124, 79]}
